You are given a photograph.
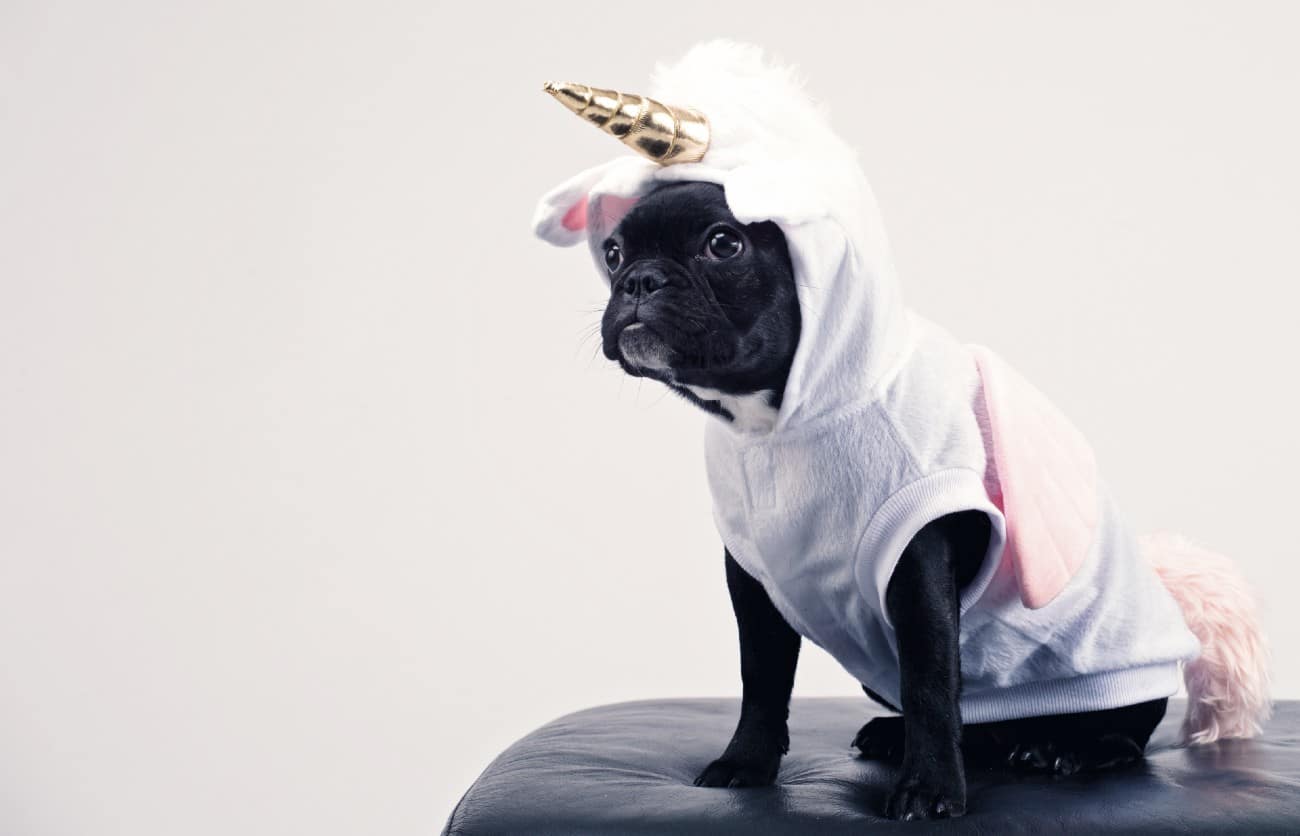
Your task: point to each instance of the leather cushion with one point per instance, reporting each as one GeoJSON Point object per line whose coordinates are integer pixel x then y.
{"type": "Point", "coordinates": [628, 768]}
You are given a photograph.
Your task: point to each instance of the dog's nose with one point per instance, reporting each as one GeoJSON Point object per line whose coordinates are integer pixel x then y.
{"type": "Point", "coordinates": [643, 282]}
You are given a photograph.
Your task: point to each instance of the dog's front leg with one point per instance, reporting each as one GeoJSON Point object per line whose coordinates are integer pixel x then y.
{"type": "Point", "coordinates": [769, 653]}
{"type": "Point", "coordinates": [922, 599]}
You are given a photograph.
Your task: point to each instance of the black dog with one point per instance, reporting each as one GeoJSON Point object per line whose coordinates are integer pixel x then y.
{"type": "Point", "coordinates": [708, 306]}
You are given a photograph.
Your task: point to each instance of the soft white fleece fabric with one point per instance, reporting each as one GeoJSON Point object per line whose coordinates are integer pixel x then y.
{"type": "Point", "coordinates": [820, 513]}
{"type": "Point", "coordinates": [882, 429]}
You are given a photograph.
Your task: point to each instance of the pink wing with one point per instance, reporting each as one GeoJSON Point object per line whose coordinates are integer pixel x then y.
{"type": "Point", "coordinates": [1048, 478]}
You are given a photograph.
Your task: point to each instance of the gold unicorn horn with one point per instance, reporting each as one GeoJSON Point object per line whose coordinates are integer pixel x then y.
{"type": "Point", "coordinates": [656, 131]}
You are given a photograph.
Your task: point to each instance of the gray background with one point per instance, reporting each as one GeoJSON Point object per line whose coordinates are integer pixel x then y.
{"type": "Point", "coordinates": [312, 493]}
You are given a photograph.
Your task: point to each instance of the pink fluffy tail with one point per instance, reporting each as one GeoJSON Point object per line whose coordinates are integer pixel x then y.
{"type": "Point", "coordinates": [1227, 685]}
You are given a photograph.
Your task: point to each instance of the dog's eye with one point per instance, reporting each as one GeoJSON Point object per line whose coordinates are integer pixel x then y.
{"type": "Point", "coordinates": [725, 243]}
{"type": "Point", "coordinates": [613, 257]}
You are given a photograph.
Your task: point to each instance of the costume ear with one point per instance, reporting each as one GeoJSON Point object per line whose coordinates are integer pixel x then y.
{"type": "Point", "coordinates": [561, 215]}
{"type": "Point", "coordinates": [570, 212]}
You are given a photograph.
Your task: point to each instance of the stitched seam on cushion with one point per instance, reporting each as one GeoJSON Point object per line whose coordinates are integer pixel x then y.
{"type": "Point", "coordinates": [453, 827]}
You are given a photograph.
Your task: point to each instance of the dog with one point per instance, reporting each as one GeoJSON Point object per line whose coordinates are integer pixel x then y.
{"type": "Point", "coordinates": [906, 501]}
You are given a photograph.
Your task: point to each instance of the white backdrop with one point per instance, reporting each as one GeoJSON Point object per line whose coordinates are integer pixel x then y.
{"type": "Point", "coordinates": [313, 494]}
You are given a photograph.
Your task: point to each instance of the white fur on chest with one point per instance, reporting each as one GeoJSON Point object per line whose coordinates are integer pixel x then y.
{"type": "Point", "coordinates": [752, 413]}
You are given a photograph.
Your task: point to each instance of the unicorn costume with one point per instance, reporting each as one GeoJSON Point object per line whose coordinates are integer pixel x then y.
{"type": "Point", "coordinates": [887, 421]}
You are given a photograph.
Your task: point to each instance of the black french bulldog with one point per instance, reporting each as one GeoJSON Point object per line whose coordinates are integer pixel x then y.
{"type": "Point", "coordinates": [708, 306]}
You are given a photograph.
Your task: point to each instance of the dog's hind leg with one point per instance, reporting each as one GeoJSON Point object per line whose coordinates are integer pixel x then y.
{"type": "Point", "coordinates": [1063, 744]}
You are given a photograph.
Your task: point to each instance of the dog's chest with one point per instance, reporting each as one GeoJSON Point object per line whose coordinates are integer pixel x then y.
{"type": "Point", "coordinates": [751, 413]}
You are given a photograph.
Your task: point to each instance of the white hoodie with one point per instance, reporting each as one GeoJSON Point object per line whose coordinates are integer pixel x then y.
{"type": "Point", "coordinates": [888, 423]}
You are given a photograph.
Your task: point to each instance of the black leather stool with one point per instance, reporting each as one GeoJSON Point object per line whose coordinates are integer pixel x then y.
{"type": "Point", "coordinates": [629, 768]}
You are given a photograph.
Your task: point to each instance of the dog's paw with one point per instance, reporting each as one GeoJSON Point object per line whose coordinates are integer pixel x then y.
{"type": "Point", "coordinates": [1106, 752]}
{"type": "Point", "coordinates": [918, 797]}
{"type": "Point", "coordinates": [1042, 757]}
{"type": "Point", "coordinates": [881, 739]}
{"type": "Point", "coordinates": [729, 772]}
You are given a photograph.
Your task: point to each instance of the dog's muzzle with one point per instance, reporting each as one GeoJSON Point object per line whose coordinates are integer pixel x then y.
{"type": "Point", "coordinates": [642, 348]}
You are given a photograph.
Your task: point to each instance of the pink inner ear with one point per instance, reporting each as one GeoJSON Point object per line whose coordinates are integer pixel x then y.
{"type": "Point", "coordinates": [575, 219]}
{"type": "Point", "coordinates": [1048, 478]}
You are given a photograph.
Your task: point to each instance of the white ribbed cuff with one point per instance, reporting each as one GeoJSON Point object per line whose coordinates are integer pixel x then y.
{"type": "Point", "coordinates": [909, 510]}
{"type": "Point", "coordinates": [1088, 692]}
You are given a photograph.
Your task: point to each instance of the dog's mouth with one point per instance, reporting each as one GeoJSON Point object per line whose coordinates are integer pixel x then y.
{"type": "Point", "coordinates": [660, 352]}
{"type": "Point", "coordinates": [644, 350]}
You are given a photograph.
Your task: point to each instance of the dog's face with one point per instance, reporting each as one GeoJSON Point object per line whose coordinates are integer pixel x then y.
{"type": "Point", "coordinates": [700, 301]}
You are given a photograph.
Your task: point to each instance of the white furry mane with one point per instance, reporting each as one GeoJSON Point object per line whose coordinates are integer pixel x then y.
{"type": "Point", "coordinates": [756, 106]}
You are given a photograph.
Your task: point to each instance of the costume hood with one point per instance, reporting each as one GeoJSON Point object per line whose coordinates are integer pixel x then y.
{"type": "Point", "coordinates": [774, 153]}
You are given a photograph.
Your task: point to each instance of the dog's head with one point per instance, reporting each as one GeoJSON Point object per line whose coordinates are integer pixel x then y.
{"type": "Point", "coordinates": [702, 302]}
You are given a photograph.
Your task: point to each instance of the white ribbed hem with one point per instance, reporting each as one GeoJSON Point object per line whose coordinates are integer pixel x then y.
{"type": "Point", "coordinates": [1089, 692]}
{"type": "Point", "coordinates": [909, 510]}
